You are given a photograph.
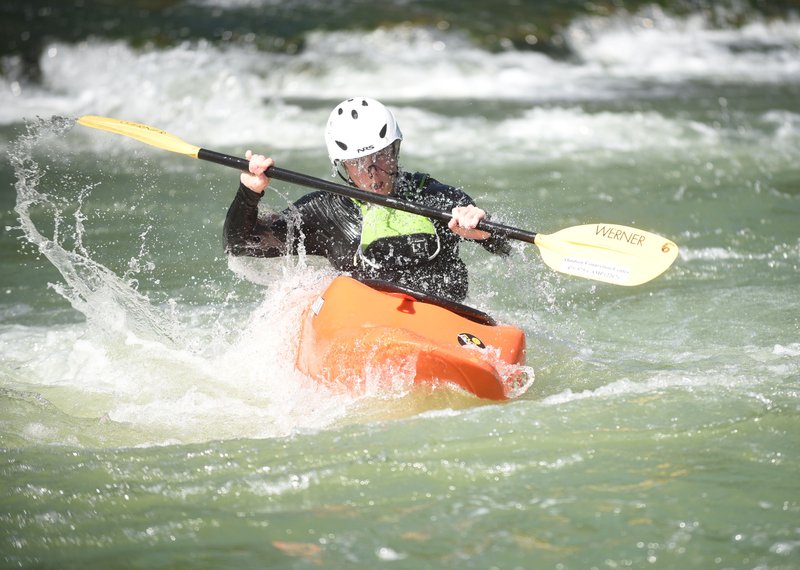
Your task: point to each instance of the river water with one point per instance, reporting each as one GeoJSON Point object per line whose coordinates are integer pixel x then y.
{"type": "Point", "coordinates": [150, 413]}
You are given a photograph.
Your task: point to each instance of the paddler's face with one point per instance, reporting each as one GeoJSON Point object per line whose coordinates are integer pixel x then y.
{"type": "Point", "coordinates": [376, 172]}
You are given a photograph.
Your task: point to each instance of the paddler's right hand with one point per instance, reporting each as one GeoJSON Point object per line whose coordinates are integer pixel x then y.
{"type": "Point", "coordinates": [254, 178]}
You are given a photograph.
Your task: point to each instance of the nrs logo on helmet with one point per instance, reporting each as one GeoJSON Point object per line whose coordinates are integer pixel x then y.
{"type": "Point", "coordinates": [358, 127]}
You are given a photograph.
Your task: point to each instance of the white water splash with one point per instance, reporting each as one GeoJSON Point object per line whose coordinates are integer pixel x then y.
{"type": "Point", "coordinates": [167, 377]}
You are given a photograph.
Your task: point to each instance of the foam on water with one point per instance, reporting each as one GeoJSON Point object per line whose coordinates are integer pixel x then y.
{"type": "Point", "coordinates": [196, 87]}
{"type": "Point", "coordinates": [653, 45]}
{"type": "Point", "coordinates": [182, 84]}
{"type": "Point", "coordinates": [162, 392]}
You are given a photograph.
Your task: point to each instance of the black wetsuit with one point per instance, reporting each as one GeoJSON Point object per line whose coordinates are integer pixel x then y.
{"type": "Point", "coordinates": [329, 225]}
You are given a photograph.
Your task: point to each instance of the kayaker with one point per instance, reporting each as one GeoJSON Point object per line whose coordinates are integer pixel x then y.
{"type": "Point", "coordinates": [368, 241]}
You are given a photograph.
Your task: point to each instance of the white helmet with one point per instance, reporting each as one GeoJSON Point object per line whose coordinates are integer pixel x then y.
{"type": "Point", "coordinates": [358, 127]}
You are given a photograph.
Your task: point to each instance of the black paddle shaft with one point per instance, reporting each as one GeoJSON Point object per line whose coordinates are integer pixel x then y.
{"type": "Point", "coordinates": [350, 192]}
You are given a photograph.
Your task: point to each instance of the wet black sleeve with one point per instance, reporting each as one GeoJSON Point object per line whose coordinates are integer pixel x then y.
{"type": "Point", "coordinates": [497, 244]}
{"type": "Point", "coordinates": [246, 234]}
{"type": "Point", "coordinates": [318, 223]}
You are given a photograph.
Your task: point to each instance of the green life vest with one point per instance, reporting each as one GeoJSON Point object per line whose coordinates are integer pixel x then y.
{"type": "Point", "coordinates": [395, 237]}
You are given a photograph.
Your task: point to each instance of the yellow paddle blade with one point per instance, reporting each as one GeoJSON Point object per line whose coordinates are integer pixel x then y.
{"type": "Point", "coordinates": [145, 133]}
{"type": "Point", "coordinates": [608, 252]}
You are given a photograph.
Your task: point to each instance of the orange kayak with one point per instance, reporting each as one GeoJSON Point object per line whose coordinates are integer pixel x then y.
{"type": "Point", "coordinates": [354, 335]}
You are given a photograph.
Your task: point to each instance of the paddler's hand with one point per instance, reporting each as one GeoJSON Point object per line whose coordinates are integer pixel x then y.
{"type": "Point", "coordinates": [464, 221]}
{"type": "Point", "coordinates": [254, 178]}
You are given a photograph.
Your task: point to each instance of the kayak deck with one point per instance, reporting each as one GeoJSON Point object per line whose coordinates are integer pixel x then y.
{"type": "Point", "coordinates": [353, 333]}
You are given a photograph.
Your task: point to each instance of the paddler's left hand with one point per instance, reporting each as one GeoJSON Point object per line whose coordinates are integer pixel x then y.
{"type": "Point", "coordinates": [464, 221]}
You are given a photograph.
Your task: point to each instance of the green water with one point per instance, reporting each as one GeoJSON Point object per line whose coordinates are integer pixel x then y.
{"type": "Point", "coordinates": [571, 485]}
{"type": "Point", "coordinates": [150, 413]}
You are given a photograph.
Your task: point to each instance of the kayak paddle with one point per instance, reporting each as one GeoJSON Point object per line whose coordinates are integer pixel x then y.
{"type": "Point", "coordinates": [604, 252]}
